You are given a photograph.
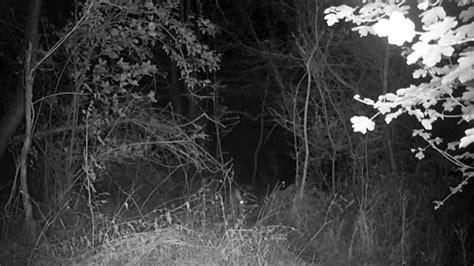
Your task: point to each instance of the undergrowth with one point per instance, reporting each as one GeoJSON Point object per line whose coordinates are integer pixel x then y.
{"type": "Point", "coordinates": [201, 229]}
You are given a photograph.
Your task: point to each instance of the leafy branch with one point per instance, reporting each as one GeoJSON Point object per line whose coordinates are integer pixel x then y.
{"type": "Point", "coordinates": [443, 52]}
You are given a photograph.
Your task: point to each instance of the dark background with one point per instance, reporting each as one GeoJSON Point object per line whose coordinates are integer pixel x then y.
{"type": "Point", "coordinates": [263, 46]}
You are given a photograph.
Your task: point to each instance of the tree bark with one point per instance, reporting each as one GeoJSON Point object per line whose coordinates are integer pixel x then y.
{"type": "Point", "coordinates": [387, 140]}
{"type": "Point", "coordinates": [29, 223]}
{"type": "Point", "coordinates": [32, 37]}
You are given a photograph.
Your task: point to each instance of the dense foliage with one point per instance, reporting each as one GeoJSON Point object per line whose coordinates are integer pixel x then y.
{"type": "Point", "coordinates": [442, 53]}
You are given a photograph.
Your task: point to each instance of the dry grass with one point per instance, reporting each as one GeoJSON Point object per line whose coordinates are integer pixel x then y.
{"type": "Point", "coordinates": [201, 229]}
{"type": "Point", "coordinates": [183, 236]}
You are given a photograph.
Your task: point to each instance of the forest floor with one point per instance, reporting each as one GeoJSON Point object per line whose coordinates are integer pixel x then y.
{"type": "Point", "coordinates": [201, 229]}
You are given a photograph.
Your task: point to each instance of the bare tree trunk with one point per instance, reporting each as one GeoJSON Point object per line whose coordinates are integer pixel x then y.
{"type": "Point", "coordinates": [34, 11]}
{"type": "Point", "coordinates": [29, 223]}
{"type": "Point", "coordinates": [390, 156]}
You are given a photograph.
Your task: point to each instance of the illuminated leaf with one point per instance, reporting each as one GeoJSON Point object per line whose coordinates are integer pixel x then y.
{"type": "Point", "coordinates": [365, 100]}
{"type": "Point", "coordinates": [364, 30]}
{"type": "Point", "coordinates": [432, 15]}
{"type": "Point", "coordinates": [438, 29]}
{"type": "Point", "coordinates": [430, 53]}
{"type": "Point", "coordinates": [423, 4]}
{"type": "Point", "coordinates": [362, 124]}
{"type": "Point", "coordinates": [468, 139]}
{"type": "Point", "coordinates": [465, 31]}
{"type": "Point", "coordinates": [390, 117]}
{"type": "Point", "coordinates": [420, 155]}
{"type": "Point", "coordinates": [468, 95]}
{"type": "Point", "coordinates": [398, 29]}
{"type": "Point", "coordinates": [452, 146]}
{"type": "Point", "coordinates": [468, 113]}
{"type": "Point", "coordinates": [464, 71]}
{"type": "Point", "coordinates": [419, 73]}
{"type": "Point", "coordinates": [331, 19]}
{"type": "Point", "coordinates": [449, 105]}
{"type": "Point", "coordinates": [384, 107]}
{"type": "Point", "coordinates": [467, 14]}
{"type": "Point", "coordinates": [426, 123]}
